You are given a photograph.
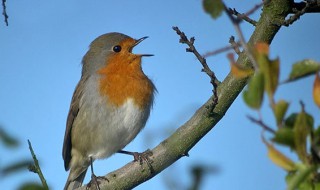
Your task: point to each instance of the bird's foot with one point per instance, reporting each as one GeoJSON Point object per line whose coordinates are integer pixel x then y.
{"type": "Point", "coordinates": [95, 180]}
{"type": "Point", "coordinates": [141, 157]}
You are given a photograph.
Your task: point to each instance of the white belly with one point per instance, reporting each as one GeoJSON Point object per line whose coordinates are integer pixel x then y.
{"type": "Point", "coordinates": [118, 129]}
{"type": "Point", "coordinates": [104, 128]}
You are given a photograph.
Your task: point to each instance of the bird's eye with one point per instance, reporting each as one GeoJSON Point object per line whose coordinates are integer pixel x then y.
{"type": "Point", "coordinates": [117, 48]}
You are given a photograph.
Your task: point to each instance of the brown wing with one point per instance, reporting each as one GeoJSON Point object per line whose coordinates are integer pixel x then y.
{"type": "Point", "coordinates": [73, 112]}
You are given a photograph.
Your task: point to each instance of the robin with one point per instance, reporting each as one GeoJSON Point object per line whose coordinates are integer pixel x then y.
{"type": "Point", "coordinates": [109, 107]}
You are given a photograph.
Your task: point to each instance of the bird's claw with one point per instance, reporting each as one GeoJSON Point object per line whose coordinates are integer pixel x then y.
{"type": "Point", "coordinates": [96, 181]}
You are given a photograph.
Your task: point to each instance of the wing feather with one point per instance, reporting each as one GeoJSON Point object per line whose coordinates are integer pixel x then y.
{"type": "Point", "coordinates": [73, 112]}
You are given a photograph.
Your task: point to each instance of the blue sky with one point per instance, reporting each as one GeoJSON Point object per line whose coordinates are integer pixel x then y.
{"type": "Point", "coordinates": [41, 51]}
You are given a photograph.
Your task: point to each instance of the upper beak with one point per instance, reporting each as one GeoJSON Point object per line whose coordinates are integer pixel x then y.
{"type": "Point", "coordinates": [138, 42]}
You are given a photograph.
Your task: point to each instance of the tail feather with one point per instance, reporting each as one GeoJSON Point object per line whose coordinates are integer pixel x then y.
{"type": "Point", "coordinates": [74, 184]}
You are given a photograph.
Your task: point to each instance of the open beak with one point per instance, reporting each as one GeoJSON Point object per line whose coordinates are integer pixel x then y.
{"type": "Point", "coordinates": [138, 42]}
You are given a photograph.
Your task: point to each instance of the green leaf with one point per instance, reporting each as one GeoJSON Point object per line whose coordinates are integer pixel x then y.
{"type": "Point", "coordinates": [8, 140]}
{"type": "Point", "coordinates": [300, 178]}
{"type": "Point", "coordinates": [317, 186]}
{"type": "Point", "coordinates": [253, 95]}
{"type": "Point", "coordinates": [240, 72]}
{"type": "Point", "coordinates": [317, 131]}
{"type": "Point", "coordinates": [289, 121]}
{"type": "Point", "coordinates": [269, 68]}
{"type": "Point", "coordinates": [15, 167]}
{"type": "Point", "coordinates": [213, 7]}
{"type": "Point", "coordinates": [272, 77]}
{"type": "Point", "coordinates": [31, 186]}
{"type": "Point", "coordinates": [280, 110]}
{"type": "Point", "coordinates": [302, 69]}
{"type": "Point", "coordinates": [306, 185]}
{"type": "Point", "coordinates": [284, 136]}
{"type": "Point", "coordinates": [278, 158]}
{"type": "Point", "coordinates": [315, 143]}
{"type": "Point", "coordinates": [302, 128]}
{"type": "Point", "coordinates": [316, 90]}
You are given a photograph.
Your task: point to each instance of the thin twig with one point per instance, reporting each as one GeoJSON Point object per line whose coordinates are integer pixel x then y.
{"type": "Point", "coordinates": [214, 81]}
{"type": "Point", "coordinates": [4, 12]}
{"type": "Point", "coordinates": [234, 45]}
{"type": "Point", "coordinates": [220, 50]}
{"type": "Point", "coordinates": [36, 167]}
{"type": "Point", "coordinates": [236, 24]}
{"type": "Point", "coordinates": [243, 16]}
{"type": "Point", "coordinates": [297, 15]}
{"type": "Point", "coordinates": [261, 123]}
{"type": "Point", "coordinates": [240, 17]}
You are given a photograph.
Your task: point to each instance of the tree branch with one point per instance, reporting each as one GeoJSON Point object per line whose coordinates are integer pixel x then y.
{"type": "Point", "coordinates": [296, 15]}
{"type": "Point", "coordinates": [299, 9]}
{"type": "Point", "coordinates": [314, 6]}
{"type": "Point", "coordinates": [214, 81]}
{"type": "Point", "coordinates": [36, 167]}
{"type": "Point", "coordinates": [4, 12]}
{"type": "Point", "coordinates": [188, 135]}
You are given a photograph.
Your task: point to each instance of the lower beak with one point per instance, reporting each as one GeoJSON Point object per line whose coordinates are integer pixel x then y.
{"type": "Point", "coordinates": [138, 42]}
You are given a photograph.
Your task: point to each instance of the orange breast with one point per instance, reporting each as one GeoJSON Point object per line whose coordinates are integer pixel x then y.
{"type": "Point", "coordinates": [123, 78]}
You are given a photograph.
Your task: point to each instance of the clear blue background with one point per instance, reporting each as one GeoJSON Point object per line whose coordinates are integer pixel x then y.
{"type": "Point", "coordinates": [40, 55]}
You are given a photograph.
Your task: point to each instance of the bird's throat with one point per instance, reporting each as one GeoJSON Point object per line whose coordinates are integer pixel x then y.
{"type": "Point", "coordinates": [122, 79]}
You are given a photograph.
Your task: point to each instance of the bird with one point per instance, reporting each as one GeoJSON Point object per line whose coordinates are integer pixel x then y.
{"type": "Point", "coordinates": [110, 105]}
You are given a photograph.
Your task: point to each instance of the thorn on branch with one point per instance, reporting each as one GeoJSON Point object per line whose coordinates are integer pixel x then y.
{"type": "Point", "coordinates": [192, 40]}
{"type": "Point", "coordinates": [302, 105]}
{"type": "Point", "coordinates": [185, 154]}
{"type": "Point", "coordinates": [32, 168]}
{"type": "Point", "coordinates": [189, 50]}
{"type": "Point", "coordinates": [214, 81]}
{"type": "Point", "coordinates": [4, 12]}
{"type": "Point", "coordinates": [235, 45]}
